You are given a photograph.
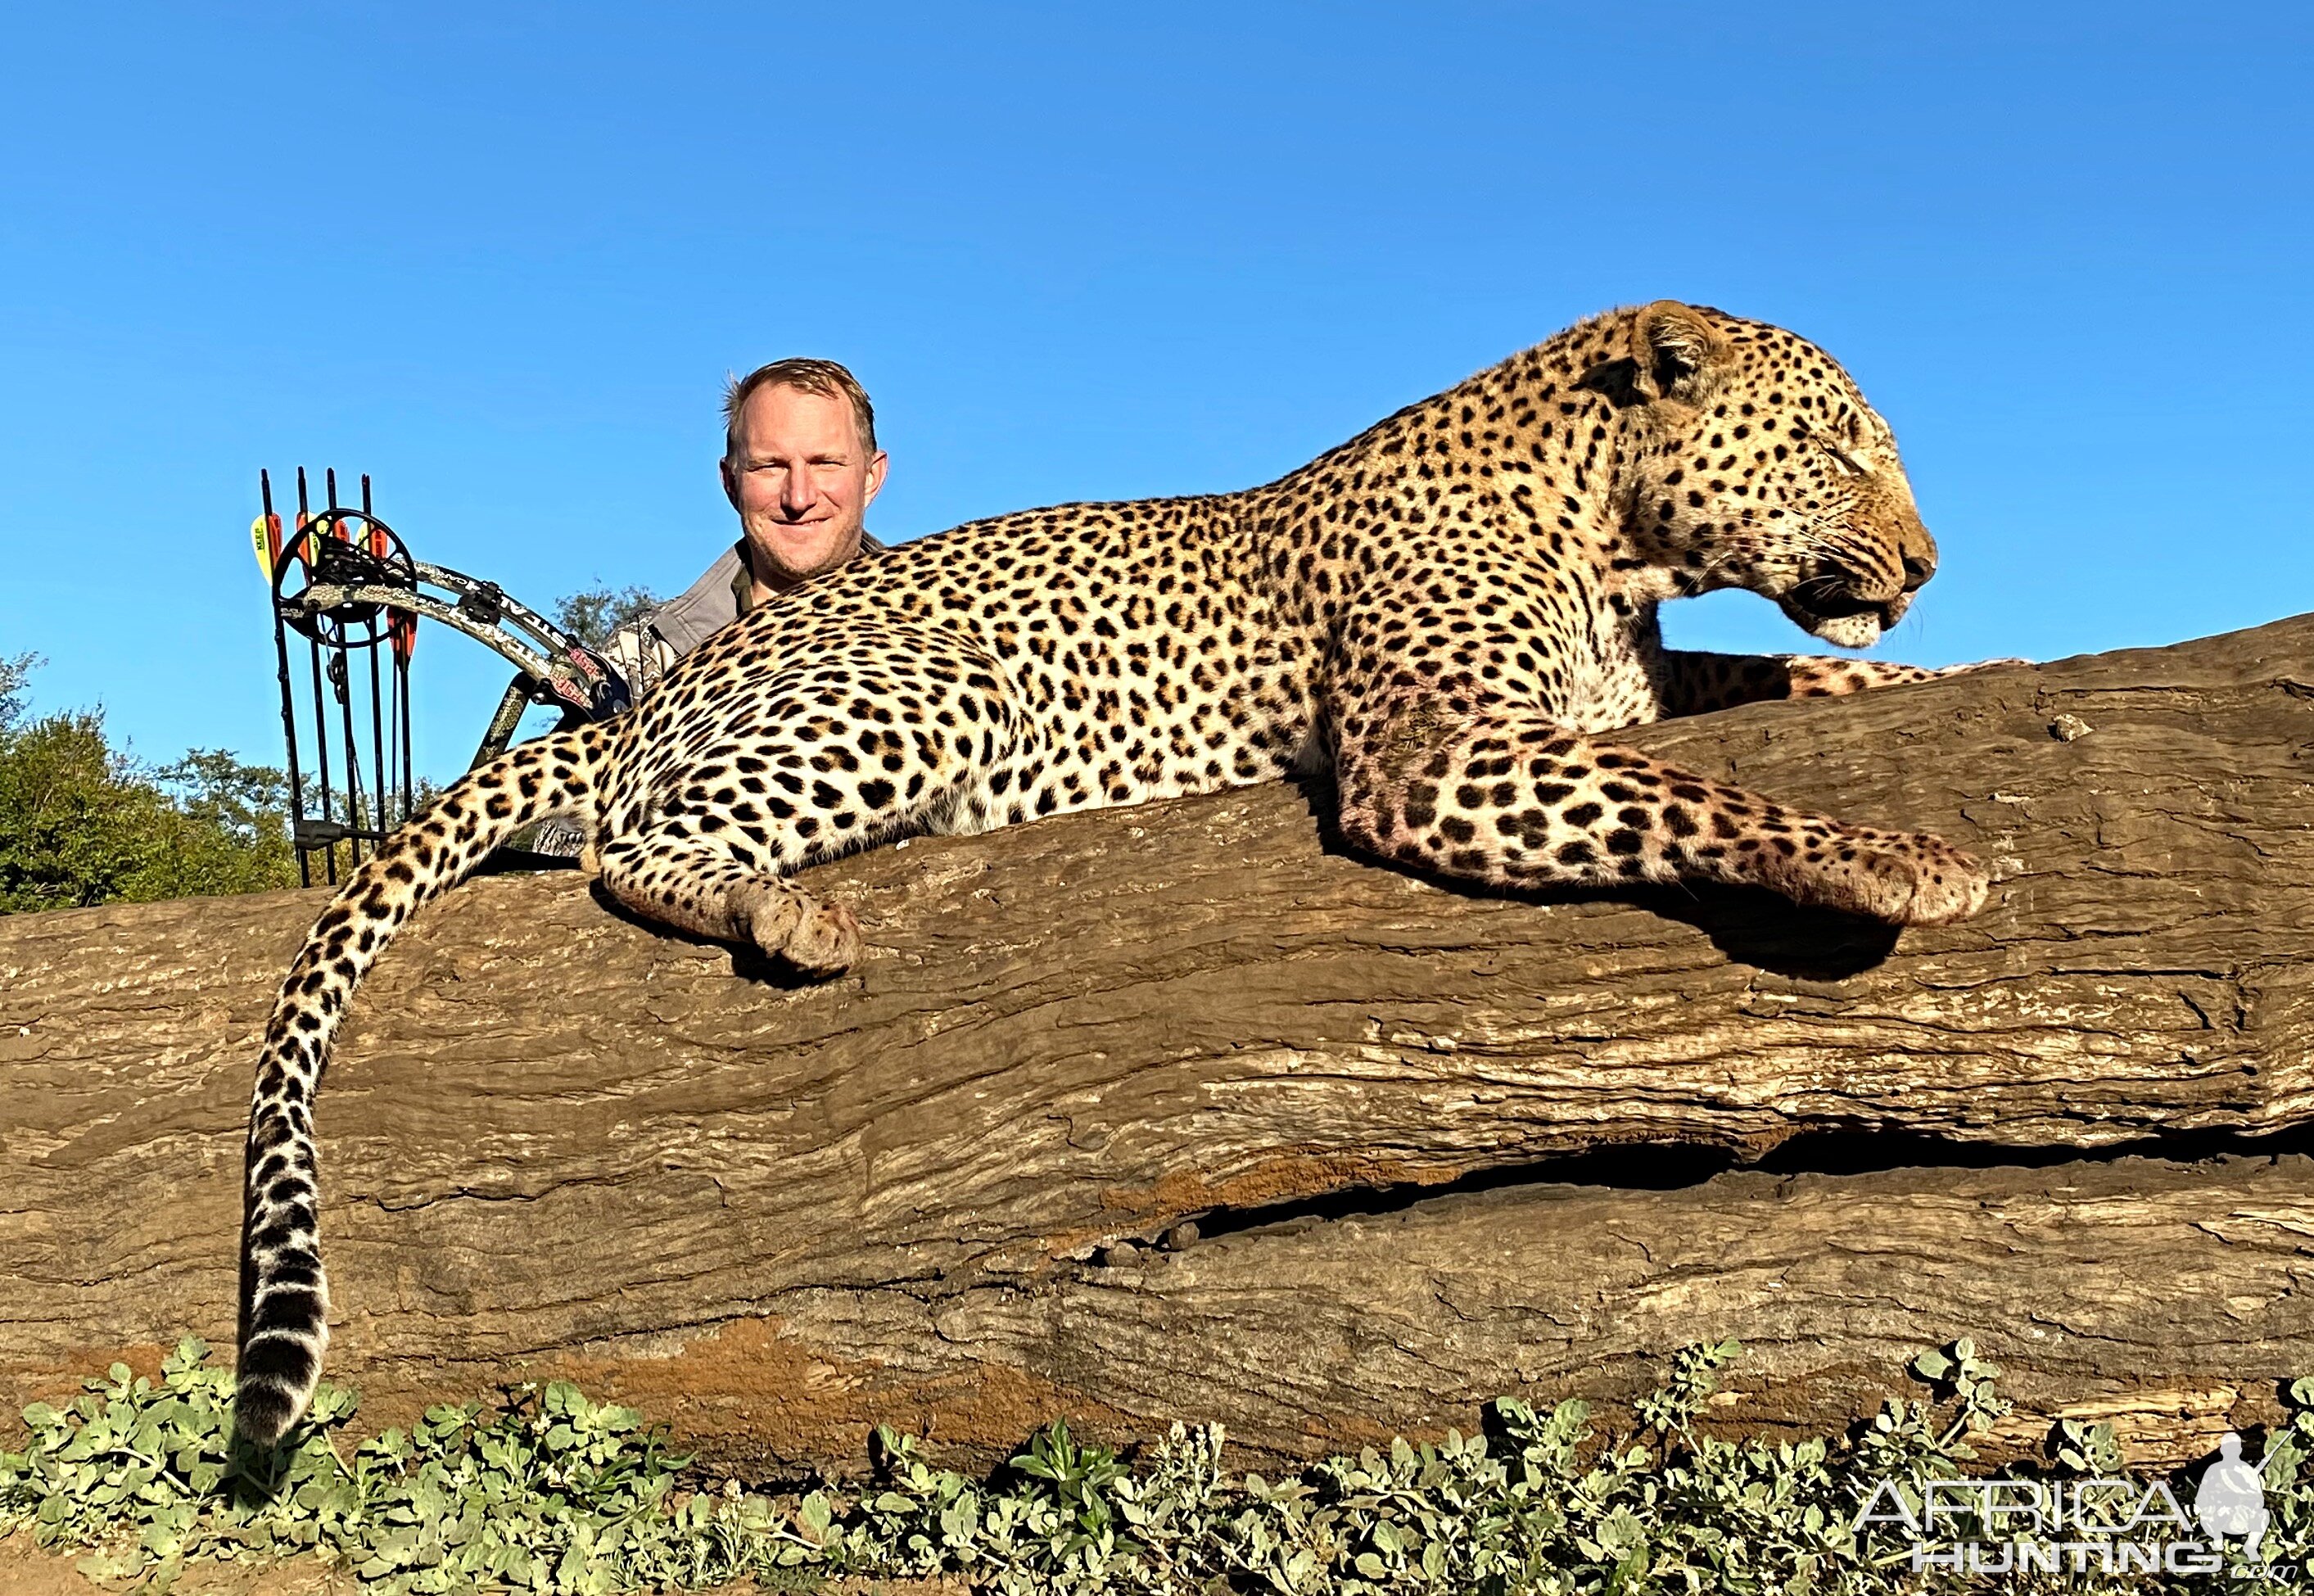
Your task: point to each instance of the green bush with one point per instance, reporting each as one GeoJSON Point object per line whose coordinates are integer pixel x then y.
{"type": "Point", "coordinates": [82, 824]}
{"type": "Point", "coordinates": [553, 1493]}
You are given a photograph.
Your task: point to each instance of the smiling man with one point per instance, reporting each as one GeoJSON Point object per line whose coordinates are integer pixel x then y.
{"type": "Point", "coordinates": [801, 466]}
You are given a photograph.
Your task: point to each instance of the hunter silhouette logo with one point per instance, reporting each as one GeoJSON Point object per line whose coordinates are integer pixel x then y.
{"type": "Point", "coordinates": [2230, 1500]}
{"type": "Point", "coordinates": [2114, 1524]}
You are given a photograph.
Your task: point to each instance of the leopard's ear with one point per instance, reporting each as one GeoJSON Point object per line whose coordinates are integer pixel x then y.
{"type": "Point", "coordinates": [1676, 352]}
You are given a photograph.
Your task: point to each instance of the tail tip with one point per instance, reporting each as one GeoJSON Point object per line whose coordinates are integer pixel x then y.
{"type": "Point", "coordinates": [263, 1413]}
{"type": "Point", "coordinates": [272, 1390]}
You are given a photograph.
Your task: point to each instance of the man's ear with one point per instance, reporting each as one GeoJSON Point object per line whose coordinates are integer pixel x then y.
{"type": "Point", "coordinates": [731, 482]}
{"type": "Point", "coordinates": [1675, 351]}
{"type": "Point", "coordinates": [876, 470]}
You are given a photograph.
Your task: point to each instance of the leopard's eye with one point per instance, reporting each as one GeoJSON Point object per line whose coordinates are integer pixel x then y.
{"type": "Point", "coordinates": [1848, 464]}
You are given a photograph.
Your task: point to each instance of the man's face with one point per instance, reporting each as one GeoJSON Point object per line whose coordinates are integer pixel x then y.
{"type": "Point", "coordinates": [801, 483]}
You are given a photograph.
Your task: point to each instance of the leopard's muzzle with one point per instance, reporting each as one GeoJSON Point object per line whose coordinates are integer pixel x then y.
{"type": "Point", "coordinates": [1831, 607]}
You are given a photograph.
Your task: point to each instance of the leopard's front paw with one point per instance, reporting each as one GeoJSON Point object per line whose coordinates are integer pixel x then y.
{"type": "Point", "coordinates": [1902, 877]}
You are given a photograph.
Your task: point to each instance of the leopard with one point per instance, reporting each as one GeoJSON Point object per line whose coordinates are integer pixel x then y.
{"type": "Point", "coordinates": [1448, 615]}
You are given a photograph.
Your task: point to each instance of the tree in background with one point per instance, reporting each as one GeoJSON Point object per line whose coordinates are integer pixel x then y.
{"type": "Point", "coordinates": [81, 823]}
{"type": "Point", "coordinates": [592, 616]}
{"type": "Point", "coordinates": [13, 673]}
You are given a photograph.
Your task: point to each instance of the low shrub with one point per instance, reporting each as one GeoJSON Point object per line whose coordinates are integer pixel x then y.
{"type": "Point", "coordinates": [550, 1492]}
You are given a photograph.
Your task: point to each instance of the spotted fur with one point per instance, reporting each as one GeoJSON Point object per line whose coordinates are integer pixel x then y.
{"type": "Point", "coordinates": [1444, 613]}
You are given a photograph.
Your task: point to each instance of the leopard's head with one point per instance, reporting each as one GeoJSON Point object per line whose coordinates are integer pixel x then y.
{"type": "Point", "coordinates": [1751, 459]}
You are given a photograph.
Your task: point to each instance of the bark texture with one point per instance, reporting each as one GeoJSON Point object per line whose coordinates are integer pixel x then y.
{"type": "Point", "coordinates": [1442, 1146]}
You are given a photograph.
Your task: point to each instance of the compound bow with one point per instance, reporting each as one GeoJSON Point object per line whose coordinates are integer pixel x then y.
{"type": "Point", "coordinates": [345, 582]}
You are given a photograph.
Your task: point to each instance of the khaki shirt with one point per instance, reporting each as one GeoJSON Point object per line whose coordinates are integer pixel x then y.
{"type": "Point", "coordinates": [644, 648]}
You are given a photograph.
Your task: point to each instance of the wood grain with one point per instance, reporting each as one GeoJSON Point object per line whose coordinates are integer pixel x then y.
{"type": "Point", "coordinates": [560, 1141]}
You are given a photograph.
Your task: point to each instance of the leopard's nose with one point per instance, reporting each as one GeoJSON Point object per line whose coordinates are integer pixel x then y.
{"type": "Point", "coordinates": [1914, 547]}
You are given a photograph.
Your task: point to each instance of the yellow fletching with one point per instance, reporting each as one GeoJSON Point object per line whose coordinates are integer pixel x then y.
{"type": "Point", "coordinates": [264, 552]}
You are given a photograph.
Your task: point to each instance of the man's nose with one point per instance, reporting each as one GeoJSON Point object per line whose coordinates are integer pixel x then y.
{"type": "Point", "coordinates": [799, 492]}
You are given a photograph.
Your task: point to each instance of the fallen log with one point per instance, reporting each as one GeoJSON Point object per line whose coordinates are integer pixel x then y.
{"type": "Point", "coordinates": [557, 1142]}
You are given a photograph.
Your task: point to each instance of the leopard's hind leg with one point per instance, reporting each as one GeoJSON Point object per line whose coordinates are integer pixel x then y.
{"type": "Point", "coordinates": [903, 729]}
{"type": "Point", "coordinates": [673, 876]}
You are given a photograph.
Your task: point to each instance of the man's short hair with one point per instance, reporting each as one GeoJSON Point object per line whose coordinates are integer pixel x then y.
{"type": "Point", "coordinates": [823, 377]}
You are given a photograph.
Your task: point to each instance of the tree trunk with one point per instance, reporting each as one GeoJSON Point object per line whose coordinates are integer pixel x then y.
{"type": "Point", "coordinates": [558, 1142]}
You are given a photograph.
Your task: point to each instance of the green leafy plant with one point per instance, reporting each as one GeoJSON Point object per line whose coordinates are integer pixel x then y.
{"type": "Point", "coordinates": [550, 1492]}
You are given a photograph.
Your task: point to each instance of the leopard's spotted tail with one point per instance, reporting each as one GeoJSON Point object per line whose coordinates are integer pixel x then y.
{"type": "Point", "coordinates": [283, 1300]}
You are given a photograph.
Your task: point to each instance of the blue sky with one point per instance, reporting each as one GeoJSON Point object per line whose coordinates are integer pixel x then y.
{"type": "Point", "coordinates": [502, 258]}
